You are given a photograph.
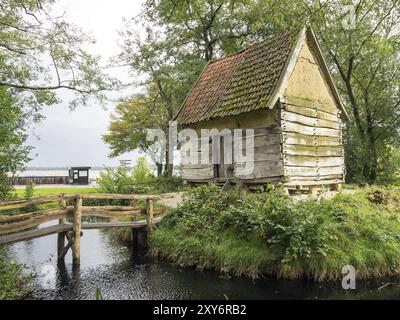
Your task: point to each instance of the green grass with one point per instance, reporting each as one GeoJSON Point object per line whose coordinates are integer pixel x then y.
{"type": "Point", "coordinates": [263, 234]}
{"type": "Point", "coordinates": [49, 191]}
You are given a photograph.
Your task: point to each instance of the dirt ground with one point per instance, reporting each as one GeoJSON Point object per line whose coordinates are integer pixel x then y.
{"type": "Point", "coordinates": [171, 200]}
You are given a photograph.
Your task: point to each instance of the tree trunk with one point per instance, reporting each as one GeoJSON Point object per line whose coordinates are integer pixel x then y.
{"type": "Point", "coordinates": [373, 157]}
{"type": "Point", "coordinates": [169, 167]}
{"type": "Point", "coordinates": [159, 169]}
{"type": "Point", "coordinates": [371, 143]}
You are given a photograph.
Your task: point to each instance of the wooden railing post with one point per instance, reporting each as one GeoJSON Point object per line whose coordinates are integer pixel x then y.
{"type": "Point", "coordinates": [61, 235]}
{"type": "Point", "coordinates": [132, 203]}
{"type": "Point", "coordinates": [76, 246]}
{"type": "Point", "coordinates": [150, 214]}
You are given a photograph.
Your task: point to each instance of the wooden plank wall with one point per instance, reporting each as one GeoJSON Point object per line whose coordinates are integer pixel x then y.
{"type": "Point", "coordinates": [268, 161]}
{"type": "Point", "coordinates": [312, 143]}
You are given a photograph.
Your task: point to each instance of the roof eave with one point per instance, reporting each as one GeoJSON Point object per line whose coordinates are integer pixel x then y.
{"type": "Point", "coordinates": [287, 70]}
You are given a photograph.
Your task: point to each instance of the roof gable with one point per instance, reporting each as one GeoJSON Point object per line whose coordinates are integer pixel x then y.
{"type": "Point", "coordinates": [252, 79]}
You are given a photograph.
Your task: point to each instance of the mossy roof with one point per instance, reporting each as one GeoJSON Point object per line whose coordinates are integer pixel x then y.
{"type": "Point", "coordinates": [238, 83]}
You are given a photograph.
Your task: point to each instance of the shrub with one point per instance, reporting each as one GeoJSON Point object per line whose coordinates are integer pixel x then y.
{"type": "Point", "coordinates": [14, 279]}
{"type": "Point", "coordinates": [164, 184]}
{"type": "Point", "coordinates": [142, 173]}
{"type": "Point", "coordinates": [29, 189]}
{"type": "Point", "coordinates": [6, 191]}
{"type": "Point", "coordinates": [124, 180]}
{"type": "Point", "coordinates": [137, 180]}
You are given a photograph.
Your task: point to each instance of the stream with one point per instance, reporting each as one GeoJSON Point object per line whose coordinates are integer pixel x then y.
{"type": "Point", "coordinates": [121, 274]}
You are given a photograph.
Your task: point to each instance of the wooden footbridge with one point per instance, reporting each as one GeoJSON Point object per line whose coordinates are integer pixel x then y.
{"type": "Point", "coordinates": [24, 226]}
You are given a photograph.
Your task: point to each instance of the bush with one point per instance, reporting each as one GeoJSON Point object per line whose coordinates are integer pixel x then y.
{"type": "Point", "coordinates": [6, 191]}
{"type": "Point", "coordinates": [13, 280]}
{"type": "Point", "coordinates": [255, 234]}
{"type": "Point", "coordinates": [137, 180]}
{"type": "Point", "coordinates": [164, 184]}
{"type": "Point", "coordinates": [141, 173]}
{"type": "Point", "coordinates": [29, 189]}
{"type": "Point", "coordinates": [120, 180]}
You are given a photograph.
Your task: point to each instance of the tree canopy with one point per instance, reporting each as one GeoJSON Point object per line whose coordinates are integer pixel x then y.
{"type": "Point", "coordinates": [42, 53]}
{"type": "Point", "coordinates": [13, 153]}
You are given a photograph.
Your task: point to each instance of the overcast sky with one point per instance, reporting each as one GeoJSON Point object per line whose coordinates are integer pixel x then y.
{"type": "Point", "coordinates": [66, 138]}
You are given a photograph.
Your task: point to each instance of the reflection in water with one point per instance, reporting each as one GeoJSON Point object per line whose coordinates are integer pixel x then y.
{"type": "Point", "coordinates": [120, 274]}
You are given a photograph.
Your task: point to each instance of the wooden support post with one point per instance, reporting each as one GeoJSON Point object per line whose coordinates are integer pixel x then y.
{"type": "Point", "coordinates": [150, 214]}
{"type": "Point", "coordinates": [313, 190]}
{"type": "Point", "coordinates": [76, 246]}
{"type": "Point", "coordinates": [64, 251]}
{"type": "Point", "coordinates": [337, 187]}
{"type": "Point", "coordinates": [61, 235]}
{"type": "Point", "coordinates": [133, 203]}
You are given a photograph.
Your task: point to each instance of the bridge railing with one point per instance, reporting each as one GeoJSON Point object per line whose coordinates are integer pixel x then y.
{"type": "Point", "coordinates": [13, 226]}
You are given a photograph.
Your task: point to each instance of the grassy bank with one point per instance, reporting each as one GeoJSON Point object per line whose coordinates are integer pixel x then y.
{"type": "Point", "coordinates": [262, 234]}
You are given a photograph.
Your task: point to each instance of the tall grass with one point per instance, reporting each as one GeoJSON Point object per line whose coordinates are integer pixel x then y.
{"type": "Point", "coordinates": [263, 234]}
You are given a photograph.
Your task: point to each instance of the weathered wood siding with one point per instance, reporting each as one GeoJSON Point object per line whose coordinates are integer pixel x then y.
{"type": "Point", "coordinates": [268, 157]}
{"type": "Point", "coordinates": [311, 127]}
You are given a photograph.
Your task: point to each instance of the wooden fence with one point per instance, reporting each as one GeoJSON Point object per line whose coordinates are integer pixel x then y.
{"type": "Point", "coordinates": [19, 227]}
{"type": "Point", "coordinates": [22, 181]}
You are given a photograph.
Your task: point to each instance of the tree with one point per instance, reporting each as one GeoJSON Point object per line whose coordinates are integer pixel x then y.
{"type": "Point", "coordinates": [13, 153]}
{"type": "Point", "coordinates": [169, 75]}
{"type": "Point", "coordinates": [41, 53]}
{"type": "Point", "coordinates": [365, 62]}
{"type": "Point", "coordinates": [129, 124]}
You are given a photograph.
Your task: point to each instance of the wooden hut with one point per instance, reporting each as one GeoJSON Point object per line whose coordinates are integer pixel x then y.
{"type": "Point", "coordinates": [281, 88]}
{"type": "Point", "coordinates": [79, 175]}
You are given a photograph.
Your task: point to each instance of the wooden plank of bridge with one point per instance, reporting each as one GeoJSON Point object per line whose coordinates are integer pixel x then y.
{"type": "Point", "coordinates": [33, 234]}
{"type": "Point", "coordinates": [76, 246]}
{"type": "Point", "coordinates": [102, 196]}
{"type": "Point", "coordinates": [133, 224]}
